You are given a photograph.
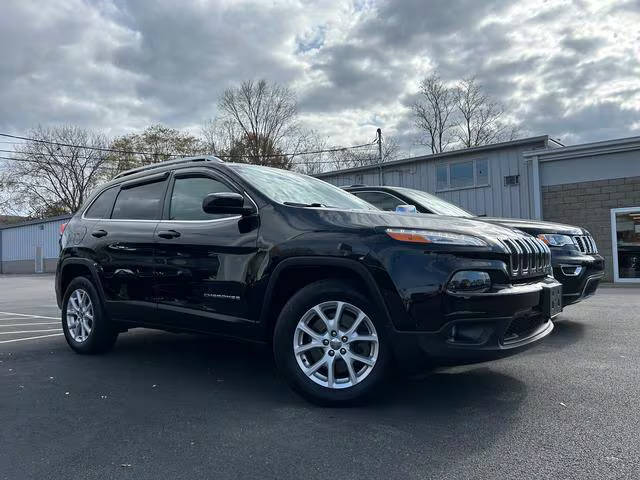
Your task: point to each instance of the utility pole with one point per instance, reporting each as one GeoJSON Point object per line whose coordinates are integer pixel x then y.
{"type": "Point", "coordinates": [380, 174]}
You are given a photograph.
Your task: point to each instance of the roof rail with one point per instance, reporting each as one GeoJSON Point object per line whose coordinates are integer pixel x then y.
{"type": "Point", "coordinates": [204, 158]}
{"type": "Point", "coordinates": [355, 185]}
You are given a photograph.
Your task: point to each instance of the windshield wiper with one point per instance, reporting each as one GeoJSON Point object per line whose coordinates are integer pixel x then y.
{"type": "Point", "coordinates": [313, 205]}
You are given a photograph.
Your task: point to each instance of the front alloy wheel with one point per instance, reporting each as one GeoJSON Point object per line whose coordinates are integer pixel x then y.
{"type": "Point", "coordinates": [336, 344]}
{"type": "Point", "coordinates": [79, 315]}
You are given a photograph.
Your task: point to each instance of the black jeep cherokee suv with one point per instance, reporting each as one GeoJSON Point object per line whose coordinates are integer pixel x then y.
{"type": "Point", "coordinates": [574, 255]}
{"type": "Point", "coordinates": [340, 288]}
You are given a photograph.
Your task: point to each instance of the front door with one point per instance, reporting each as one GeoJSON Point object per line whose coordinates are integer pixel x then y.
{"type": "Point", "coordinates": [204, 262]}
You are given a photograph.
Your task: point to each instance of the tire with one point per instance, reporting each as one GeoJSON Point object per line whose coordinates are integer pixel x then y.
{"type": "Point", "coordinates": [88, 332]}
{"type": "Point", "coordinates": [348, 385]}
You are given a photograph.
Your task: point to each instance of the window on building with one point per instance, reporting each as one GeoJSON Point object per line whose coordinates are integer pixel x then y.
{"type": "Point", "coordinates": [461, 174]}
{"type": "Point", "coordinates": [482, 172]}
{"type": "Point", "coordinates": [471, 173]}
{"type": "Point", "coordinates": [102, 205]}
{"type": "Point", "coordinates": [442, 175]}
{"type": "Point", "coordinates": [188, 194]}
{"type": "Point", "coordinates": [140, 202]}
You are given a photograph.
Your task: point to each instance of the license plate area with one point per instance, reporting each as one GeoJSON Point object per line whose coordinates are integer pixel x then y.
{"type": "Point", "coordinates": [551, 300]}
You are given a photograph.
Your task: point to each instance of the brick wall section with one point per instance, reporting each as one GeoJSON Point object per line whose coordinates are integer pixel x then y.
{"type": "Point", "coordinates": [589, 205]}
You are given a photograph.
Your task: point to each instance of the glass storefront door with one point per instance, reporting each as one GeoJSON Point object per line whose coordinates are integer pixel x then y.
{"type": "Point", "coordinates": [625, 237]}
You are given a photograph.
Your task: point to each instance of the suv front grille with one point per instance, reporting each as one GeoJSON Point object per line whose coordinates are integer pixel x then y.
{"type": "Point", "coordinates": [529, 257]}
{"type": "Point", "coordinates": [585, 243]}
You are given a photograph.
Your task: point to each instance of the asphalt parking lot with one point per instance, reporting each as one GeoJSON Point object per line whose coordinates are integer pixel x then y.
{"type": "Point", "coordinates": [179, 406]}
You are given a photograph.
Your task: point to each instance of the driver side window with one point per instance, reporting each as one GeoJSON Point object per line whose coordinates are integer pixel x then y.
{"type": "Point", "coordinates": [188, 194]}
{"type": "Point", "coordinates": [383, 201]}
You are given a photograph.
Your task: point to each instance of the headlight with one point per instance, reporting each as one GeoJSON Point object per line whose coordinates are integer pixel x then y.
{"type": "Point", "coordinates": [428, 236]}
{"type": "Point", "coordinates": [555, 239]}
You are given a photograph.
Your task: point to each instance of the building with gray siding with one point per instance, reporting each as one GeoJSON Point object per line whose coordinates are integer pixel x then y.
{"type": "Point", "coordinates": [493, 180]}
{"type": "Point", "coordinates": [31, 247]}
{"type": "Point", "coordinates": [595, 185]}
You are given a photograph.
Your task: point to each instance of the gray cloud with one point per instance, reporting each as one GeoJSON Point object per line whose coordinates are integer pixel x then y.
{"type": "Point", "coordinates": [566, 69]}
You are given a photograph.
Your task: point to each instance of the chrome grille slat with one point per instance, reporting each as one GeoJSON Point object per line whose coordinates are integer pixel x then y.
{"type": "Point", "coordinates": [585, 243]}
{"type": "Point", "coordinates": [528, 256]}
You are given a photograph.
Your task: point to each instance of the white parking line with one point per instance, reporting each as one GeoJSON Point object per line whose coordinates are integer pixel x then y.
{"type": "Point", "coordinates": [30, 338]}
{"type": "Point", "coordinates": [28, 324]}
{"type": "Point", "coordinates": [26, 315]}
{"type": "Point", "coordinates": [32, 331]}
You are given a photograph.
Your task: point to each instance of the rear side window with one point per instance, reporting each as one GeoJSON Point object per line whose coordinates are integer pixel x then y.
{"type": "Point", "coordinates": [140, 202]}
{"type": "Point", "coordinates": [102, 205]}
{"type": "Point", "coordinates": [188, 194]}
{"type": "Point", "coordinates": [383, 201]}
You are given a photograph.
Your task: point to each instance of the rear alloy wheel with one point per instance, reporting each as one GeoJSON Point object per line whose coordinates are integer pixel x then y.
{"type": "Point", "coordinates": [336, 344]}
{"type": "Point", "coordinates": [330, 343]}
{"type": "Point", "coordinates": [79, 315]}
{"type": "Point", "coordinates": [84, 321]}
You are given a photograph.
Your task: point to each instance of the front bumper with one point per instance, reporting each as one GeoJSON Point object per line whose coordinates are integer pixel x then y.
{"type": "Point", "coordinates": [485, 326]}
{"type": "Point", "coordinates": [580, 275]}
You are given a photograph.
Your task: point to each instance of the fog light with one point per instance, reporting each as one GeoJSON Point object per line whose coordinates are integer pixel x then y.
{"type": "Point", "coordinates": [571, 270]}
{"type": "Point", "coordinates": [470, 281]}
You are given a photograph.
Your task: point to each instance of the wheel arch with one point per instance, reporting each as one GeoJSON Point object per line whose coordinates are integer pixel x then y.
{"type": "Point", "coordinates": [76, 267]}
{"type": "Point", "coordinates": [307, 270]}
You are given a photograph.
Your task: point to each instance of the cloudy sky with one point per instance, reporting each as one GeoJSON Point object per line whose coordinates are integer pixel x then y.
{"type": "Point", "coordinates": [570, 69]}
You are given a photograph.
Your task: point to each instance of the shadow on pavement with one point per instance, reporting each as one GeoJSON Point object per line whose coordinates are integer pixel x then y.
{"type": "Point", "coordinates": [565, 332]}
{"type": "Point", "coordinates": [173, 400]}
{"type": "Point", "coordinates": [239, 368]}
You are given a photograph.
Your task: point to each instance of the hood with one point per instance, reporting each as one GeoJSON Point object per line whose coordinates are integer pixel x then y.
{"type": "Point", "coordinates": [535, 227]}
{"type": "Point", "coordinates": [378, 218]}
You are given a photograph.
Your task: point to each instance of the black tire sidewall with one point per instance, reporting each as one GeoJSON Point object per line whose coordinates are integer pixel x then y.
{"type": "Point", "coordinates": [102, 335]}
{"type": "Point", "coordinates": [295, 308]}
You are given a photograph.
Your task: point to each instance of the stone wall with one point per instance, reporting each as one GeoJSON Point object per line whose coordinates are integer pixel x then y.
{"type": "Point", "coordinates": [589, 205]}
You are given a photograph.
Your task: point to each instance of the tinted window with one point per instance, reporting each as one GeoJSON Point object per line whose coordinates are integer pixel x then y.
{"type": "Point", "coordinates": [142, 202]}
{"type": "Point", "coordinates": [187, 196]}
{"type": "Point", "coordinates": [383, 201]}
{"type": "Point", "coordinates": [461, 174]}
{"type": "Point", "coordinates": [433, 204]}
{"type": "Point", "coordinates": [101, 207]}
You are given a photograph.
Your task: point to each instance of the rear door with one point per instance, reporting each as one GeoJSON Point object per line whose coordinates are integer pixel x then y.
{"type": "Point", "coordinates": [204, 262]}
{"type": "Point", "coordinates": [124, 248]}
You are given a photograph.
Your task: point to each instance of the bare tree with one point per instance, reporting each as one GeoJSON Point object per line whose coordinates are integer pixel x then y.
{"type": "Point", "coordinates": [434, 113]}
{"type": "Point", "coordinates": [44, 179]}
{"type": "Point", "coordinates": [314, 163]}
{"type": "Point", "coordinates": [480, 120]}
{"type": "Point", "coordinates": [264, 119]}
{"type": "Point", "coordinates": [218, 135]}
{"type": "Point", "coordinates": [157, 143]}
{"type": "Point", "coordinates": [463, 116]}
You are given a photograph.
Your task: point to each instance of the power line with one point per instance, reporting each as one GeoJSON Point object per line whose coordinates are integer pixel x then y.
{"type": "Point", "coordinates": [60, 155]}
{"type": "Point", "coordinates": [104, 149]}
{"type": "Point", "coordinates": [53, 163]}
{"type": "Point", "coordinates": [70, 145]}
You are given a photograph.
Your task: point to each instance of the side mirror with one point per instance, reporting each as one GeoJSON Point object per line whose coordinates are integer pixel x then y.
{"type": "Point", "coordinates": [226, 202]}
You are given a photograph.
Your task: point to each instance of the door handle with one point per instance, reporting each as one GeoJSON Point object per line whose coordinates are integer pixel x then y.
{"type": "Point", "coordinates": [168, 234]}
{"type": "Point", "coordinates": [99, 233]}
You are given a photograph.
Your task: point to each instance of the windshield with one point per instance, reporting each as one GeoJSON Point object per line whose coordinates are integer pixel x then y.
{"type": "Point", "coordinates": [295, 189]}
{"type": "Point", "coordinates": [433, 203]}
